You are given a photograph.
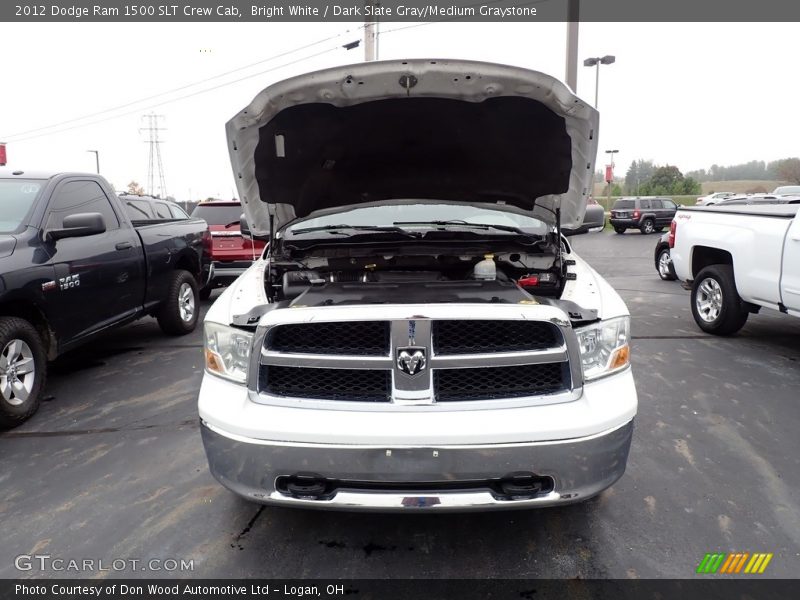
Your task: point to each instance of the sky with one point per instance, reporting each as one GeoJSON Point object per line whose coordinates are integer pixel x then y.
{"type": "Point", "coordinates": [687, 94]}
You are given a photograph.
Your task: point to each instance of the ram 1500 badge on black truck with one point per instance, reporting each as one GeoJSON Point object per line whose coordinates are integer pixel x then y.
{"type": "Point", "coordinates": [73, 264]}
{"type": "Point", "coordinates": [419, 335]}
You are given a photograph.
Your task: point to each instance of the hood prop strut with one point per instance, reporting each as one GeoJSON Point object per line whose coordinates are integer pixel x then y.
{"type": "Point", "coordinates": [559, 256]}
{"type": "Point", "coordinates": [271, 244]}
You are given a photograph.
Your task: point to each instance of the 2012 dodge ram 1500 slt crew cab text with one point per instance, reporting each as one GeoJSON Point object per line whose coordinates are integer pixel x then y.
{"type": "Point", "coordinates": [73, 264]}
{"type": "Point", "coordinates": [738, 259]}
{"type": "Point", "coordinates": [419, 335]}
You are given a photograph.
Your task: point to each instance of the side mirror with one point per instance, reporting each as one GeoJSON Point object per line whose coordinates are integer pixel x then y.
{"type": "Point", "coordinates": [244, 228]}
{"type": "Point", "coordinates": [78, 225]}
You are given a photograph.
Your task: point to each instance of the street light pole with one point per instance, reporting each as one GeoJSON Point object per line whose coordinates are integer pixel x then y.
{"type": "Point", "coordinates": [96, 159]}
{"type": "Point", "coordinates": [596, 62]}
{"type": "Point", "coordinates": [596, 84]}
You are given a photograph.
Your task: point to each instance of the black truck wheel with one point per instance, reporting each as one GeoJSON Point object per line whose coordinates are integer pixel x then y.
{"type": "Point", "coordinates": [647, 227]}
{"type": "Point", "coordinates": [179, 311]}
{"type": "Point", "coordinates": [664, 265]}
{"type": "Point", "coordinates": [23, 370]}
{"type": "Point", "coordinates": [716, 305]}
{"type": "Point", "coordinates": [619, 230]}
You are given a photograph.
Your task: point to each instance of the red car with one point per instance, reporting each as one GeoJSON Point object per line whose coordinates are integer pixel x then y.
{"type": "Point", "coordinates": [231, 254]}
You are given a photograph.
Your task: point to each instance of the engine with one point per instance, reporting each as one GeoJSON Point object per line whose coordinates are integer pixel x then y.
{"type": "Point", "coordinates": [421, 278]}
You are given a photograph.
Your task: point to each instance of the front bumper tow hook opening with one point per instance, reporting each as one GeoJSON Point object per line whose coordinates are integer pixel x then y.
{"type": "Point", "coordinates": [524, 486]}
{"type": "Point", "coordinates": [307, 487]}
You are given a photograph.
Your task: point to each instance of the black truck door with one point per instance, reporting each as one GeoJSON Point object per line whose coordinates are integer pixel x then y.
{"type": "Point", "coordinates": [99, 278]}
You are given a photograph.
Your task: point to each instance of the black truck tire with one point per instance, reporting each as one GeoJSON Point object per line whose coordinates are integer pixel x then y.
{"type": "Point", "coordinates": [619, 230]}
{"type": "Point", "coordinates": [648, 226]}
{"type": "Point", "coordinates": [180, 310]}
{"type": "Point", "coordinates": [716, 305]}
{"type": "Point", "coordinates": [23, 371]}
{"type": "Point", "coordinates": [664, 266]}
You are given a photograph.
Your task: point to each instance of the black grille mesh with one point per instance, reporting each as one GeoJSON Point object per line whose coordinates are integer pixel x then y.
{"type": "Point", "coordinates": [357, 385]}
{"type": "Point", "coordinates": [487, 383]}
{"type": "Point", "coordinates": [358, 337]}
{"type": "Point", "coordinates": [471, 337]}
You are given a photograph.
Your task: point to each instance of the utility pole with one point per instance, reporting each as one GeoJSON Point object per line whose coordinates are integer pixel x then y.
{"type": "Point", "coordinates": [573, 18]}
{"type": "Point", "coordinates": [154, 157]}
{"type": "Point", "coordinates": [371, 31]}
{"type": "Point", "coordinates": [96, 159]}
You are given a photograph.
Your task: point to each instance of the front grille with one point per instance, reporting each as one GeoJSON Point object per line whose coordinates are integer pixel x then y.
{"type": "Point", "coordinates": [358, 361]}
{"type": "Point", "coordinates": [357, 385]}
{"type": "Point", "coordinates": [488, 383]}
{"type": "Point", "coordinates": [360, 338]}
{"type": "Point", "coordinates": [472, 337]}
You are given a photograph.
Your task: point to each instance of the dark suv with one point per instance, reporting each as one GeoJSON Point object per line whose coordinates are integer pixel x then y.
{"type": "Point", "coordinates": [645, 214]}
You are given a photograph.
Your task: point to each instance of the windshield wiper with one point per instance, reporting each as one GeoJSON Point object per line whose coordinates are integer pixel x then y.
{"type": "Point", "coordinates": [460, 223]}
{"type": "Point", "coordinates": [339, 229]}
{"type": "Point", "coordinates": [232, 223]}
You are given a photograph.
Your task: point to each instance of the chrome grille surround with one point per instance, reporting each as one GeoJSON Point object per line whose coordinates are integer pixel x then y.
{"type": "Point", "coordinates": [411, 327]}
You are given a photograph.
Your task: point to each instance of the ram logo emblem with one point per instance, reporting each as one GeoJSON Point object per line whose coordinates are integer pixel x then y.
{"type": "Point", "coordinates": [411, 360]}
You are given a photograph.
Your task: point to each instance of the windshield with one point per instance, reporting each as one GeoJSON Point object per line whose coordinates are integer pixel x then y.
{"type": "Point", "coordinates": [787, 189]}
{"type": "Point", "coordinates": [402, 215]}
{"type": "Point", "coordinates": [219, 214]}
{"type": "Point", "coordinates": [17, 197]}
{"type": "Point", "coordinates": [624, 204]}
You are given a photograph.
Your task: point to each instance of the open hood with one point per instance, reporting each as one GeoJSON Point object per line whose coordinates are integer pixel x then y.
{"type": "Point", "coordinates": [478, 133]}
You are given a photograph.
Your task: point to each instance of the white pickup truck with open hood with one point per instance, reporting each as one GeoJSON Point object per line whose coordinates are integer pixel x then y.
{"type": "Point", "coordinates": [737, 260]}
{"type": "Point", "coordinates": [419, 335]}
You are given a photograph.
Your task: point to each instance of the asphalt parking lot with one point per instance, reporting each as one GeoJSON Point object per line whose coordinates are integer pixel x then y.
{"type": "Point", "coordinates": [112, 466]}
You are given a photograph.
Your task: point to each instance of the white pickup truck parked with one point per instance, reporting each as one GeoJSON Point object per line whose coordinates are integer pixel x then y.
{"type": "Point", "coordinates": [419, 336]}
{"type": "Point", "coordinates": [737, 259]}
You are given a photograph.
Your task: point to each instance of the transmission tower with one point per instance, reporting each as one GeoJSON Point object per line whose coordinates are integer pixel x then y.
{"type": "Point", "coordinates": [155, 168]}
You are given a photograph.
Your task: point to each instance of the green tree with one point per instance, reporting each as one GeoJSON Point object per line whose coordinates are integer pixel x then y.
{"type": "Point", "coordinates": [665, 178]}
{"type": "Point", "coordinates": [669, 181]}
{"type": "Point", "coordinates": [638, 173]}
{"type": "Point", "coordinates": [691, 186]}
{"type": "Point", "coordinates": [788, 169]}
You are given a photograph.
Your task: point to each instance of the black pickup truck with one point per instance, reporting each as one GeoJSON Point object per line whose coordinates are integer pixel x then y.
{"type": "Point", "coordinates": [74, 262]}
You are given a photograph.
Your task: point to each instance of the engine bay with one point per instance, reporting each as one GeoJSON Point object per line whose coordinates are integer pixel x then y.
{"type": "Point", "coordinates": [414, 277]}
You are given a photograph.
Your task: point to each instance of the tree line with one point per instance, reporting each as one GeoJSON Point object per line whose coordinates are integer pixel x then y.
{"type": "Point", "coordinates": [644, 178]}
{"type": "Point", "coordinates": [785, 169]}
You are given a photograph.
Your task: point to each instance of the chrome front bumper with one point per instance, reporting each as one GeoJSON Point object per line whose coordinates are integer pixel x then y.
{"type": "Point", "coordinates": [230, 269]}
{"type": "Point", "coordinates": [580, 468]}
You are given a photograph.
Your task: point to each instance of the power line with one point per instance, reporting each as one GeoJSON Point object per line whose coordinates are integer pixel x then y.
{"type": "Point", "coordinates": [203, 91]}
{"type": "Point", "coordinates": [177, 89]}
{"type": "Point", "coordinates": [179, 98]}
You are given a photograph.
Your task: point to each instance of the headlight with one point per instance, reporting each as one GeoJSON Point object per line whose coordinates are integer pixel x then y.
{"type": "Point", "coordinates": [227, 351]}
{"type": "Point", "coordinates": [605, 347]}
